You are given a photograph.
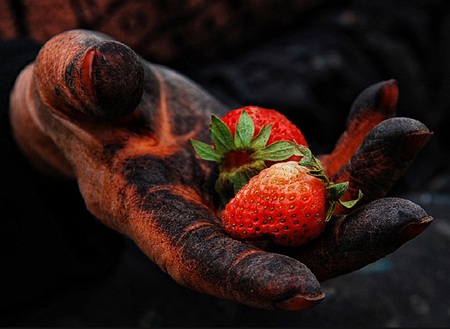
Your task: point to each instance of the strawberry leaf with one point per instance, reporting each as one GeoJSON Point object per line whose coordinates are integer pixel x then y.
{"type": "Point", "coordinates": [330, 211]}
{"type": "Point", "coordinates": [205, 151]}
{"type": "Point", "coordinates": [349, 204]}
{"type": "Point", "coordinates": [278, 151]}
{"type": "Point", "coordinates": [221, 136]}
{"type": "Point", "coordinates": [244, 131]}
{"type": "Point", "coordinates": [336, 191]}
{"type": "Point", "coordinates": [307, 158]}
{"type": "Point", "coordinates": [261, 139]}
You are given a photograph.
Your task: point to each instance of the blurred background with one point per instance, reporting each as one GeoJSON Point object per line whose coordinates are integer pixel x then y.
{"type": "Point", "coordinates": [309, 60]}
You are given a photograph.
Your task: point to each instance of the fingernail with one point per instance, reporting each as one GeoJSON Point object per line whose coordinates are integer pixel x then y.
{"type": "Point", "coordinates": [412, 230]}
{"type": "Point", "coordinates": [86, 73]}
{"type": "Point", "coordinates": [299, 302]}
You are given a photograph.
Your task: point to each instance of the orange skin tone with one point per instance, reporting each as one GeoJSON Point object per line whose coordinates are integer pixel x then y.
{"type": "Point", "coordinates": [90, 110]}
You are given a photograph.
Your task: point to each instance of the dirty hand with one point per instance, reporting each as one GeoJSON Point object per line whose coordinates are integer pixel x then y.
{"type": "Point", "coordinates": [89, 109]}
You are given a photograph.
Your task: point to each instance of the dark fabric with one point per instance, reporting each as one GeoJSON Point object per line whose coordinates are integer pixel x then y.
{"type": "Point", "coordinates": [48, 240]}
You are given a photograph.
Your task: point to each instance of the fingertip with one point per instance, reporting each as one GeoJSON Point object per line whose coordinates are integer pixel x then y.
{"type": "Point", "coordinates": [113, 79]}
{"type": "Point", "coordinates": [82, 73]}
{"type": "Point", "coordinates": [389, 96]}
{"type": "Point", "coordinates": [380, 98]}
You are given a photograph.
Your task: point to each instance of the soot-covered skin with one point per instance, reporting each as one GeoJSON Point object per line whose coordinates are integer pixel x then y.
{"type": "Point", "coordinates": [91, 110]}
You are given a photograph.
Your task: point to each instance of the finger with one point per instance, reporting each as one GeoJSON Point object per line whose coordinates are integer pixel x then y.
{"type": "Point", "coordinates": [198, 255]}
{"type": "Point", "coordinates": [364, 236]}
{"type": "Point", "coordinates": [81, 77]}
{"type": "Point", "coordinates": [173, 227]}
{"type": "Point", "coordinates": [78, 75]}
{"type": "Point", "coordinates": [87, 73]}
{"type": "Point", "coordinates": [373, 105]}
{"type": "Point", "coordinates": [382, 159]}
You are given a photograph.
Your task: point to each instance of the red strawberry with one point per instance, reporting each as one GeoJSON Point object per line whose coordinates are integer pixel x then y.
{"type": "Point", "coordinates": [288, 203]}
{"type": "Point", "coordinates": [282, 128]}
{"type": "Point", "coordinates": [246, 141]}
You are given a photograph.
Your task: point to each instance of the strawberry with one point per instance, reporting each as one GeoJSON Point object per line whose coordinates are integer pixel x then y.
{"type": "Point", "coordinates": [281, 127]}
{"type": "Point", "coordinates": [245, 141]}
{"type": "Point", "coordinates": [288, 203]}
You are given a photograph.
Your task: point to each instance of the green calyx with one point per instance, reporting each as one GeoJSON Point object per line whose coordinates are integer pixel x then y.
{"type": "Point", "coordinates": [334, 191]}
{"type": "Point", "coordinates": [240, 157]}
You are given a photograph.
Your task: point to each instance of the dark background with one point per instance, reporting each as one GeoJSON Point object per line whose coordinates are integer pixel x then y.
{"type": "Point", "coordinates": [311, 70]}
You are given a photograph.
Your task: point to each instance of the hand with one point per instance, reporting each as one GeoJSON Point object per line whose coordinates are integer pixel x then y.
{"type": "Point", "coordinates": [91, 110]}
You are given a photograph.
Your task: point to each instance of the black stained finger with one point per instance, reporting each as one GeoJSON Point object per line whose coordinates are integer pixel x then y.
{"type": "Point", "coordinates": [180, 236]}
{"type": "Point", "coordinates": [375, 104]}
{"type": "Point", "coordinates": [157, 202]}
{"type": "Point", "coordinates": [169, 221]}
{"type": "Point", "coordinates": [382, 159]}
{"type": "Point", "coordinates": [367, 234]}
{"type": "Point", "coordinates": [86, 73]}
{"type": "Point", "coordinates": [380, 97]}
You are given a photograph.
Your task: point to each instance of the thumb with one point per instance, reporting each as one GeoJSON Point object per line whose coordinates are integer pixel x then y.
{"type": "Point", "coordinates": [91, 73]}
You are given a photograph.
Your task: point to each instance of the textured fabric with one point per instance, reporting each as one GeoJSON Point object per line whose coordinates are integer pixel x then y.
{"type": "Point", "coordinates": [169, 31]}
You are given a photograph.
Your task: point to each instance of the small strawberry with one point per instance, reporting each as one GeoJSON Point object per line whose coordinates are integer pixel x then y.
{"type": "Point", "coordinates": [288, 203]}
{"type": "Point", "coordinates": [246, 141]}
{"type": "Point", "coordinates": [281, 127]}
